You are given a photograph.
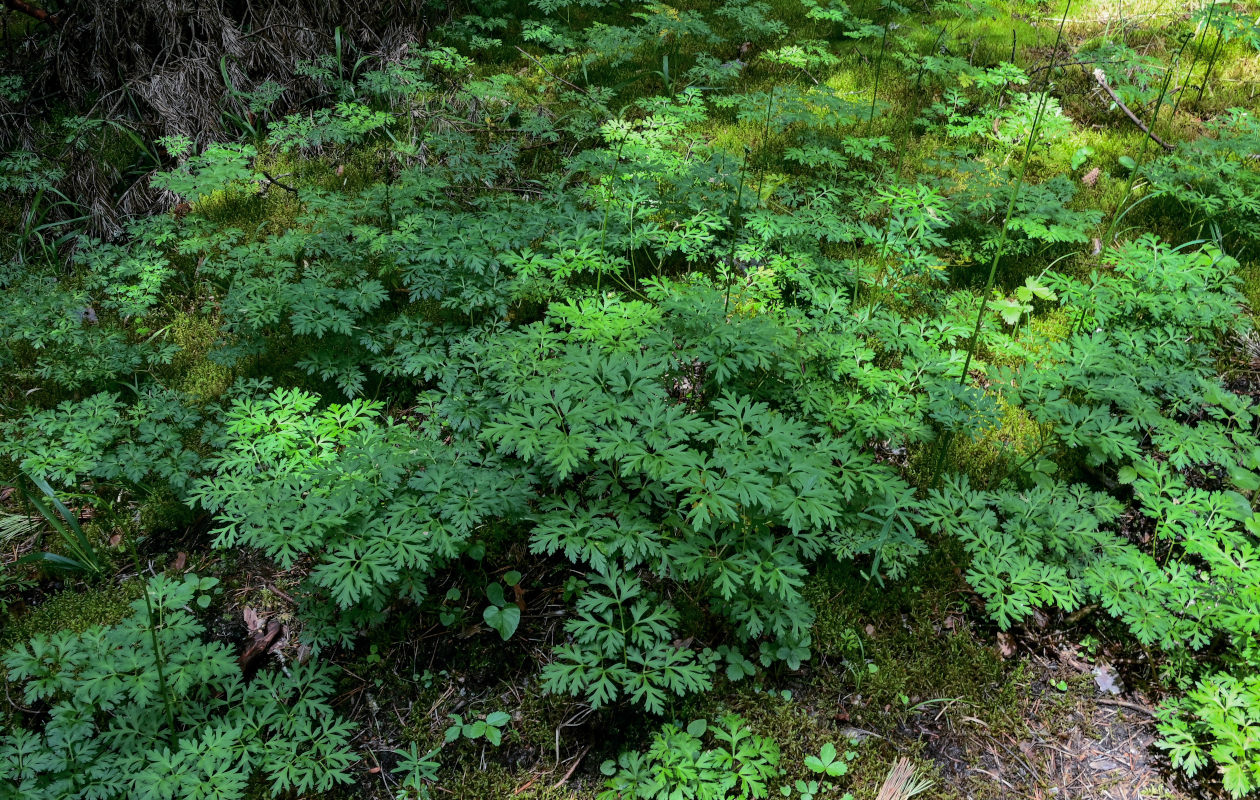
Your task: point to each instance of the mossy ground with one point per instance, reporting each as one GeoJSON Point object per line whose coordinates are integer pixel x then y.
{"type": "Point", "coordinates": [73, 609]}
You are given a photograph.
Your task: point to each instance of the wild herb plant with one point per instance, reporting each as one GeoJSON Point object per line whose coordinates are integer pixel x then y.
{"type": "Point", "coordinates": [103, 729]}
{"type": "Point", "coordinates": [739, 764]}
{"type": "Point", "coordinates": [379, 507]}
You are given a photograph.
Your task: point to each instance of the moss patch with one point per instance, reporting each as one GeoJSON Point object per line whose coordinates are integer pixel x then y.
{"type": "Point", "coordinates": [76, 611]}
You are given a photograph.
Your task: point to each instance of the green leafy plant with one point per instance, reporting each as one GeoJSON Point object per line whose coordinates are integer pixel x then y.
{"type": "Point", "coordinates": [488, 727]}
{"type": "Point", "coordinates": [830, 762]}
{"type": "Point", "coordinates": [105, 730]}
{"type": "Point", "coordinates": [419, 770]}
{"type": "Point", "coordinates": [805, 790]}
{"type": "Point", "coordinates": [502, 616]}
{"type": "Point", "coordinates": [664, 304]}
{"type": "Point", "coordinates": [622, 643]}
{"type": "Point", "coordinates": [82, 555]}
{"type": "Point", "coordinates": [677, 764]}
{"type": "Point", "coordinates": [1217, 721]}
{"type": "Point", "coordinates": [353, 490]}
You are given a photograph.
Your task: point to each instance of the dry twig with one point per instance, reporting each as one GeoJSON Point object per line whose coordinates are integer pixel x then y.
{"type": "Point", "coordinates": [1101, 77]}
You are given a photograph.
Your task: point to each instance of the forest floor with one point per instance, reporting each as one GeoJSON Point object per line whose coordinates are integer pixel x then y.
{"type": "Point", "coordinates": [1060, 707]}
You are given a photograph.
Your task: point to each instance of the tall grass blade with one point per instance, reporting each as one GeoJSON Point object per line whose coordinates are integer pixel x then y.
{"type": "Point", "coordinates": [66, 524]}
{"type": "Point", "coordinates": [1006, 221]}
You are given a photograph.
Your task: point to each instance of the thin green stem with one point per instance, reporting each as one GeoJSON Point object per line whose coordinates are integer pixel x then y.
{"type": "Point", "coordinates": [765, 138]}
{"type": "Point", "coordinates": [158, 658]}
{"type": "Point", "coordinates": [1216, 48]}
{"type": "Point", "coordinates": [918, 82]}
{"type": "Point", "coordinates": [1198, 50]}
{"type": "Point", "coordinates": [1146, 145]}
{"type": "Point", "coordinates": [603, 231]}
{"type": "Point", "coordinates": [879, 64]}
{"type": "Point", "coordinates": [735, 220]}
{"type": "Point", "coordinates": [1006, 220]}
{"type": "Point", "coordinates": [1010, 206]}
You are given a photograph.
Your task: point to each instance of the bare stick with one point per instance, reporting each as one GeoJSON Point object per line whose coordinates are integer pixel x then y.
{"type": "Point", "coordinates": [270, 179]}
{"type": "Point", "coordinates": [1102, 81]}
{"type": "Point", "coordinates": [572, 769]}
{"type": "Point", "coordinates": [1124, 704]}
{"type": "Point", "coordinates": [573, 86]}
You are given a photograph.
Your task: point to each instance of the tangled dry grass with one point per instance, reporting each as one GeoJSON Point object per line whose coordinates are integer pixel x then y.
{"type": "Point", "coordinates": [169, 67]}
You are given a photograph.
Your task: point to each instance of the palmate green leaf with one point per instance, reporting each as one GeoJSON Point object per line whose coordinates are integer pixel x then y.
{"type": "Point", "coordinates": [1010, 310]}
{"type": "Point", "coordinates": [622, 647]}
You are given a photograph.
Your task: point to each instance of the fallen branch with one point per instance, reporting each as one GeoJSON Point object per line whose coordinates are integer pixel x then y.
{"type": "Point", "coordinates": [1080, 614]}
{"type": "Point", "coordinates": [270, 179]}
{"type": "Point", "coordinates": [29, 10]}
{"type": "Point", "coordinates": [261, 642]}
{"type": "Point", "coordinates": [1125, 704]}
{"type": "Point", "coordinates": [573, 86]}
{"type": "Point", "coordinates": [572, 768]}
{"type": "Point", "coordinates": [1102, 81]}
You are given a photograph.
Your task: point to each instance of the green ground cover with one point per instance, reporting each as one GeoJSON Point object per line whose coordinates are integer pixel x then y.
{"type": "Point", "coordinates": [635, 400]}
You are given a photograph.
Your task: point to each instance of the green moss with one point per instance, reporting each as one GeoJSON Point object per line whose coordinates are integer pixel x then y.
{"type": "Point", "coordinates": [193, 372]}
{"type": "Point", "coordinates": [541, 714]}
{"type": "Point", "coordinates": [76, 611]}
{"type": "Point", "coordinates": [883, 651]}
{"type": "Point", "coordinates": [1249, 273]}
{"type": "Point", "coordinates": [496, 781]}
{"type": "Point", "coordinates": [988, 457]}
{"type": "Point", "coordinates": [162, 511]}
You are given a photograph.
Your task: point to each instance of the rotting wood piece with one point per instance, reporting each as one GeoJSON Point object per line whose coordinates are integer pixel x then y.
{"type": "Point", "coordinates": [32, 11]}
{"type": "Point", "coordinates": [261, 643]}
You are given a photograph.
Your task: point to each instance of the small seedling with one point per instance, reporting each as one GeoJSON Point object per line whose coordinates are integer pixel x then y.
{"type": "Point", "coordinates": [829, 762]}
{"type": "Point", "coordinates": [501, 615]}
{"type": "Point", "coordinates": [805, 790]}
{"type": "Point", "coordinates": [489, 728]}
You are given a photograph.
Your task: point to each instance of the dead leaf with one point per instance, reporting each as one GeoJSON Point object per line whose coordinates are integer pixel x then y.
{"type": "Point", "coordinates": [1106, 678]}
{"type": "Point", "coordinates": [1006, 644]}
{"type": "Point", "coordinates": [253, 622]}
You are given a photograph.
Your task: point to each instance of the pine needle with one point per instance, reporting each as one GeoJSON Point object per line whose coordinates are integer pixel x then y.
{"type": "Point", "coordinates": [902, 782]}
